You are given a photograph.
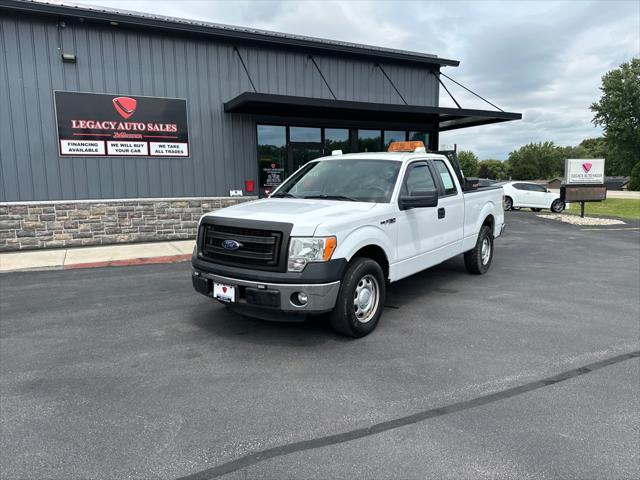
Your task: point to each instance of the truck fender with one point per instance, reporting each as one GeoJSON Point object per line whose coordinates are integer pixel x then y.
{"type": "Point", "coordinates": [470, 238]}
{"type": "Point", "coordinates": [363, 237]}
{"type": "Point", "coordinates": [487, 211]}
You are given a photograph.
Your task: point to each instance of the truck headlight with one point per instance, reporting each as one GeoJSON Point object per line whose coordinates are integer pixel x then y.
{"type": "Point", "coordinates": [303, 250]}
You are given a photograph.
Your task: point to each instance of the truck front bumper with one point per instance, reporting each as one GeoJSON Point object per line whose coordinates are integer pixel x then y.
{"type": "Point", "coordinates": [266, 299]}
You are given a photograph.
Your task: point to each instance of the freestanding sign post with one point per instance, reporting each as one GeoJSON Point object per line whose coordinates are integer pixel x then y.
{"type": "Point", "coordinates": [584, 181]}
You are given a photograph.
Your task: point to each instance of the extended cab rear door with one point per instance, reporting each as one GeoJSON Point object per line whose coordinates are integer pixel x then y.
{"type": "Point", "coordinates": [450, 209]}
{"type": "Point", "coordinates": [429, 235]}
{"type": "Point", "coordinates": [417, 228]}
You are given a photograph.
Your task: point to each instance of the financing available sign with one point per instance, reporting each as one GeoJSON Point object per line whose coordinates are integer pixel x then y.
{"type": "Point", "coordinates": [582, 171]}
{"type": "Point", "coordinates": [103, 125]}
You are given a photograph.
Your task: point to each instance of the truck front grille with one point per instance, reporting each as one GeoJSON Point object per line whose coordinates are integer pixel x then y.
{"type": "Point", "coordinates": [257, 247]}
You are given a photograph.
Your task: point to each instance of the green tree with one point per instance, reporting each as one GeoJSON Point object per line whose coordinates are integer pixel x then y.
{"type": "Point", "coordinates": [468, 162]}
{"type": "Point", "coordinates": [596, 147]}
{"type": "Point", "coordinates": [494, 169]}
{"type": "Point", "coordinates": [618, 113]}
{"type": "Point", "coordinates": [541, 160]}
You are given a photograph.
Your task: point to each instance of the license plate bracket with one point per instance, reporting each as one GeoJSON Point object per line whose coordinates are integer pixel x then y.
{"type": "Point", "coordinates": [224, 293]}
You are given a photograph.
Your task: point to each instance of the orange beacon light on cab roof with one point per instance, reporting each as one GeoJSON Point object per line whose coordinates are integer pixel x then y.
{"type": "Point", "coordinates": [405, 146]}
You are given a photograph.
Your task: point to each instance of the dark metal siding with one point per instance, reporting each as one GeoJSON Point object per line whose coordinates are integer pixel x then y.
{"type": "Point", "coordinates": [128, 62]}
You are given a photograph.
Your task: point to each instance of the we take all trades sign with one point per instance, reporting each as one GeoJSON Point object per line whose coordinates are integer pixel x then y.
{"type": "Point", "coordinates": [104, 125]}
{"type": "Point", "coordinates": [581, 171]}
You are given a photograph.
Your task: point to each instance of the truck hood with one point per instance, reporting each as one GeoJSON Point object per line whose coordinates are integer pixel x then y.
{"type": "Point", "coordinates": [304, 214]}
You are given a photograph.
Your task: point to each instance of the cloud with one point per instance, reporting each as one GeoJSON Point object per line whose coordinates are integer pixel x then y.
{"type": "Point", "coordinates": [544, 59]}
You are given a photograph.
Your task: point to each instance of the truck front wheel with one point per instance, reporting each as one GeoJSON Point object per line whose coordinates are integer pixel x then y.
{"type": "Point", "coordinates": [361, 299]}
{"type": "Point", "coordinates": [478, 260]}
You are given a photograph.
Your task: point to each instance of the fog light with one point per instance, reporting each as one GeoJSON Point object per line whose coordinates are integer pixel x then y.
{"type": "Point", "coordinates": [299, 299]}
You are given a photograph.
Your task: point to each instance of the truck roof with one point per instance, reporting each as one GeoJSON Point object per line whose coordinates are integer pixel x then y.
{"type": "Point", "coordinates": [397, 156]}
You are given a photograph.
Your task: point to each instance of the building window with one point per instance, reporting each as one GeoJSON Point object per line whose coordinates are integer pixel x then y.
{"type": "Point", "coordinates": [393, 136]}
{"type": "Point", "coordinates": [369, 140]}
{"type": "Point", "coordinates": [304, 134]}
{"type": "Point", "coordinates": [336, 139]}
{"type": "Point", "coordinates": [272, 156]}
{"type": "Point", "coordinates": [423, 136]}
{"type": "Point", "coordinates": [282, 149]}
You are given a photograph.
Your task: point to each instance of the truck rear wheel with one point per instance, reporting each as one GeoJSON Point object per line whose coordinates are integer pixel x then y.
{"type": "Point", "coordinates": [478, 260]}
{"type": "Point", "coordinates": [361, 299]}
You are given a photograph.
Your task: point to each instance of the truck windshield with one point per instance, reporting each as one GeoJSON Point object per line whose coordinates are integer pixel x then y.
{"type": "Point", "coordinates": [348, 180]}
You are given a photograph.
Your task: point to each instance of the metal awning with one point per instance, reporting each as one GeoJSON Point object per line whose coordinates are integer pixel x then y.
{"type": "Point", "coordinates": [308, 107]}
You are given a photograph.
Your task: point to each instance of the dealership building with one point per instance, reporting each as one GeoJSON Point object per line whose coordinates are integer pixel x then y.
{"type": "Point", "coordinates": [125, 127]}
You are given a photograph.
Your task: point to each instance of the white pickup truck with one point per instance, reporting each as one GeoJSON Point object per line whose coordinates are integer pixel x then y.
{"type": "Point", "coordinates": [334, 234]}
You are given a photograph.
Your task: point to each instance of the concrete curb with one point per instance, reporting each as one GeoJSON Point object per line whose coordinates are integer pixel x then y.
{"type": "Point", "coordinates": [96, 257]}
{"type": "Point", "coordinates": [130, 261]}
{"type": "Point", "coordinates": [112, 263]}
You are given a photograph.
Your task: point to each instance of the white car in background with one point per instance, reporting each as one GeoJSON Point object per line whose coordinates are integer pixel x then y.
{"type": "Point", "coordinates": [531, 195]}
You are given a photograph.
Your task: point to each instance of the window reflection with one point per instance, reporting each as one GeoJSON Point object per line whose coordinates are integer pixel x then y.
{"type": "Point", "coordinates": [393, 136]}
{"type": "Point", "coordinates": [304, 134]}
{"type": "Point", "coordinates": [336, 139]}
{"type": "Point", "coordinates": [423, 136]}
{"type": "Point", "coordinates": [277, 159]}
{"type": "Point", "coordinates": [369, 140]}
{"type": "Point", "coordinates": [272, 154]}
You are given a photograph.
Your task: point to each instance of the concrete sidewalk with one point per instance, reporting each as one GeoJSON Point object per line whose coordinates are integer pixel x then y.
{"type": "Point", "coordinates": [91, 257]}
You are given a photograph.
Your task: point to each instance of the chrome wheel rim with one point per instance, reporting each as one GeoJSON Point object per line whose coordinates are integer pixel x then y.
{"type": "Point", "coordinates": [557, 207]}
{"type": "Point", "coordinates": [366, 298]}
{"type": "Point", "coordinates": [486, 251]}
{"type": "Point", "coordinates": [507, 204]}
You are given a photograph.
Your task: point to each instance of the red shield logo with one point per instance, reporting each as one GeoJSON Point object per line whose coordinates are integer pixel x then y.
{"type": "Point", "coordinates": [586, 167]}
{"type": "Point", "coordinates": [125, 106]}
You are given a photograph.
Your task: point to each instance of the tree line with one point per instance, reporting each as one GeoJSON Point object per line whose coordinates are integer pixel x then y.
{"type": "Point", "coordinates": [617, 112]}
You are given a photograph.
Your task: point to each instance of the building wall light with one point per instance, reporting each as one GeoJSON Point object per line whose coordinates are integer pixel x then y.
{"type": "Point", "coordinates": [69, 57]}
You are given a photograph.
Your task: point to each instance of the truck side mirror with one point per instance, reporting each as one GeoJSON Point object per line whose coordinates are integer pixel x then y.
{"type": "Point", "coordinates": [419, 199]}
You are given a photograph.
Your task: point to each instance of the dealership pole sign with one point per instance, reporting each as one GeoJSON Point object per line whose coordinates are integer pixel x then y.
{"type": "Point", "coordinates": [584, 181]}
{"type": "Point", "coordinates": [103, 125]}
{"type": "Point", "coordinates": [584, 171]}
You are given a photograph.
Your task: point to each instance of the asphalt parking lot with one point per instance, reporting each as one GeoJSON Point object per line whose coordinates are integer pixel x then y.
{"type": "Point", "coordinates": [127, 373]}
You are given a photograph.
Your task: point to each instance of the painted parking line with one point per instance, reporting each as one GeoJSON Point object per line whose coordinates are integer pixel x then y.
{"type": "Point", "coordinates": [257, 457]}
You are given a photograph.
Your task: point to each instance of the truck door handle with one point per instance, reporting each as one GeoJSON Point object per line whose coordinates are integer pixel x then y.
{"type": "Point", "coordinates": [441, 212]}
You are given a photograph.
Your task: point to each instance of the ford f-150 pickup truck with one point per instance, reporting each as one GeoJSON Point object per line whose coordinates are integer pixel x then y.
{"type": "Point", "coordinates": [334, 234]}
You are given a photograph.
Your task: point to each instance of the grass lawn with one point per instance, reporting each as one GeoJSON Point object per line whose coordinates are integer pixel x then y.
{"type": "Point", "coordinates": [612, 207]}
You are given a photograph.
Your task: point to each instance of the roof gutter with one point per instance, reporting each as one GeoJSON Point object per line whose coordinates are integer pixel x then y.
{"type": "Point", "coordinates": [228, 35]}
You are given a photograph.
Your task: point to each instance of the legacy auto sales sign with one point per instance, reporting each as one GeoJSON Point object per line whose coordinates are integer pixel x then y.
{"type": "Point", "coordinates": [579, 171]}
{"type": "Point", "coordinates": [98, 124]}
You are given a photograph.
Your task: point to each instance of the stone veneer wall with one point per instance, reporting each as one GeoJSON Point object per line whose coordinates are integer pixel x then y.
{"type": "Point", "coordinates": [37, 225]}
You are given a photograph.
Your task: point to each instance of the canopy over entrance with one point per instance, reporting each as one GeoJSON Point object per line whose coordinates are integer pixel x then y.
{"type": "Point", "coordinates": [308, 107]}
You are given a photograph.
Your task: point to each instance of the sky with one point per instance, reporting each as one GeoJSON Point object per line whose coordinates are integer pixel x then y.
{"type": "Point", "coordinates": [544, 59]}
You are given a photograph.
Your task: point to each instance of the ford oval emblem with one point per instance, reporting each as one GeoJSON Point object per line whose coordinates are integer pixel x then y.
{"type": "Point", "coordinates": [231, 245]}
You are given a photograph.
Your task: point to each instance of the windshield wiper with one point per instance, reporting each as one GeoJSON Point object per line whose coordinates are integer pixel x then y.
{"type": "Point", "coordinates": [334, 197]}
{"type": "Point", "coordinates": [283, 195]}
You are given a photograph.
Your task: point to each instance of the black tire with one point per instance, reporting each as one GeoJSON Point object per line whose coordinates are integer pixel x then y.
{"type": "Point", "coordinates": [557, 206]}
{"type": "Point", "coordinates": [344, 319]}
{"type": "Point", "coordinates": [474, 260]}
{"type": "Point", "coordinates": [508, 203]}
{"type": "Point", "coordinates": [536, 209]}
